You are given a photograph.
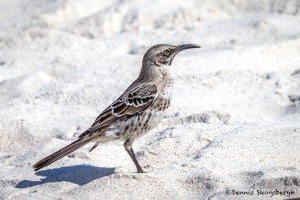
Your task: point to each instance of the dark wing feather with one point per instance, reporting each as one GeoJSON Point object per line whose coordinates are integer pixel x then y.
{"type": "Point", "coordinates": [133, 101]}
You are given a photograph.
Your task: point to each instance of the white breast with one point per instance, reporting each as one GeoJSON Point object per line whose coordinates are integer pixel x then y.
{"type": "Point", "coordinates": [167, 90]}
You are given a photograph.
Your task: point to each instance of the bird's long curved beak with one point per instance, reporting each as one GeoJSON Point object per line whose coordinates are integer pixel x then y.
{"type": "Point", "coordinates": [187, 46]}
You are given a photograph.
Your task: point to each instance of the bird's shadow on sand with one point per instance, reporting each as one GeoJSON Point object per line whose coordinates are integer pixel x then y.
{"type": "Point", "coordinates": [78, 174]}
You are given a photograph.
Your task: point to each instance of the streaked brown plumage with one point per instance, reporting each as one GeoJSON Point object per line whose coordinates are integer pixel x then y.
{"type": "Point", "coordinates": [138, 110]}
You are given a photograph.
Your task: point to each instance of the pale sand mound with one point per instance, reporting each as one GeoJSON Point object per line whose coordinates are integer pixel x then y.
{"type": "Point", "coordinates": [234, 123]}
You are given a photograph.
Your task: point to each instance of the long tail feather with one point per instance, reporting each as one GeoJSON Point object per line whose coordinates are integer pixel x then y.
{"type": "Point", "coordinates": [61, 153]}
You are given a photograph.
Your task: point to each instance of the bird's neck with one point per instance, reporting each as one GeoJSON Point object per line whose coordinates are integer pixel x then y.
{"type": "Point", "coordinates": [153, 72]}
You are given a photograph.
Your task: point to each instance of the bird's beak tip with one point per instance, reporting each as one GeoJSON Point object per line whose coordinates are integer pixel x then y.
{"type": "Point", "coordinates": [187, 46]}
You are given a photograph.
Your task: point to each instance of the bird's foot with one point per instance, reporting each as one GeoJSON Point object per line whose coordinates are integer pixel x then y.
{"type": "Point", "coordinates": [129, 169]}
{"type": "Point", "coordinates": [148, 169]}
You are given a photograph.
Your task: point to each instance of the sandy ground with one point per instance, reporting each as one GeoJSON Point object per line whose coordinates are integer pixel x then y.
{"type": "Point", "coordinates": [234, 123]}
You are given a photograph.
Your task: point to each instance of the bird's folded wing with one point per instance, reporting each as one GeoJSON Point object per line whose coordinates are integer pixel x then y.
{"type": "Point", "coordinates": [133, 101]}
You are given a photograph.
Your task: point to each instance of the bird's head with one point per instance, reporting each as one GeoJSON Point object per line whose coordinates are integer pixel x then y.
{"type": "Point", "coordinates": [163, 54]}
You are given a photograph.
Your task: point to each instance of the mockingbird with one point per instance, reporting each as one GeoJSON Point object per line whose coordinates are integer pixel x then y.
{"type": "Point", "coordinates": [138, 110]}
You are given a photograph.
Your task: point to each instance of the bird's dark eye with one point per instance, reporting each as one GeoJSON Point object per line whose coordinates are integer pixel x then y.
{"type": "Point", "coordinates": [167, 52]}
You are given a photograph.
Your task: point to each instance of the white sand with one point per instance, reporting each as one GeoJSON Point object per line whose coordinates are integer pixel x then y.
{"type": "Point", "coordinates": [234, 122]}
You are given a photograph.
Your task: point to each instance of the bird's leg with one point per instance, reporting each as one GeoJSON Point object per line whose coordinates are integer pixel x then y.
{"type": "Point", "coordinates": [128, 146]}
